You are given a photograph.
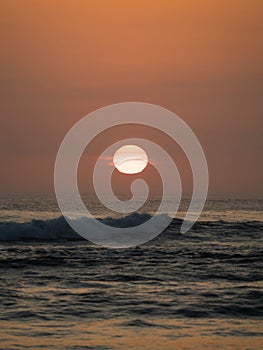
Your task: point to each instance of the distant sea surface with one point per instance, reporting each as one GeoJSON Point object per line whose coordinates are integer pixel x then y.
{"type": "Point", "coordinates": [198, 290]}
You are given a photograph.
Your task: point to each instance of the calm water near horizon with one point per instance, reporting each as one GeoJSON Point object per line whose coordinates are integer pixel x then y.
{"type": "Point", "coordinates": [199, 290]}
{"type": "Point", "coordinates": [26, 207]}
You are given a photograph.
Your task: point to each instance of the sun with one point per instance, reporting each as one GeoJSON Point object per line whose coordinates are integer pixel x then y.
{"type": "Point", "coordinates": [130, 159]}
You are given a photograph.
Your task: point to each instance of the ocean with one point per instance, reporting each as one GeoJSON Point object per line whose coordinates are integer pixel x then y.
{"type": "Point", "coordinates": [198, 290]}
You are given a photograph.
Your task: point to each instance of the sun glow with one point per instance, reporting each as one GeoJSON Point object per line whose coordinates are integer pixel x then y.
{"type": "Point", "coordinates": [130, 159]}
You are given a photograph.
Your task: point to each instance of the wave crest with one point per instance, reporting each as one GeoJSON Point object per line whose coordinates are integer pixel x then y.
{"type": "Point", "coordinates": [58, 229]}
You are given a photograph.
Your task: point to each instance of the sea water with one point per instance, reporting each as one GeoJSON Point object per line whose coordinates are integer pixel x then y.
{"type": "Point", "coordinates": [198, 290]}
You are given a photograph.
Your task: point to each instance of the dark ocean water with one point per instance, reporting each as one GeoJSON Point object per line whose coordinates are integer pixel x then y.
{"type": "Point", "coordinates": [199, 290]}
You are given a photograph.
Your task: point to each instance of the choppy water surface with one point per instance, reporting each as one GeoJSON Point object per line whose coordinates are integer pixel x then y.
{"type": "Point", "coordinates": [200, 290]}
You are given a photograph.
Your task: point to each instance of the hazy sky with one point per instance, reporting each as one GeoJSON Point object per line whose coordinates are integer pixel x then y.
{"type": "Point", "coordinates": [61, 59]}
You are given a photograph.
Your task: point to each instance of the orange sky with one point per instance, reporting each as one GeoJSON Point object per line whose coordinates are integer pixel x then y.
{"type": "Point", "coordinates": [61, 59]}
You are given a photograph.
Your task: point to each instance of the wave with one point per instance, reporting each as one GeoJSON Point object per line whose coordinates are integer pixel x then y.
{"type": "Point", "coordinates": [58, 229]}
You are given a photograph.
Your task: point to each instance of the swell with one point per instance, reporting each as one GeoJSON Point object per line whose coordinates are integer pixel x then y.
{"type": "Point", "coordinates": [58, 229]}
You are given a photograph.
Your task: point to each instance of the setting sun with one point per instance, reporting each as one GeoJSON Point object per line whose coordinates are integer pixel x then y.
{"type": "Point", "coordinates": [130, 159]}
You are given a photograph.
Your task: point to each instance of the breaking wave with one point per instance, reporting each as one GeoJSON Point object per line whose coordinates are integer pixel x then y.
{"type": "Point", "coordinates": [58, 229]}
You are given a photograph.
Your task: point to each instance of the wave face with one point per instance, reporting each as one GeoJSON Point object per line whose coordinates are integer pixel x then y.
{"type": "Point", "coordinates": [59, 230]}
